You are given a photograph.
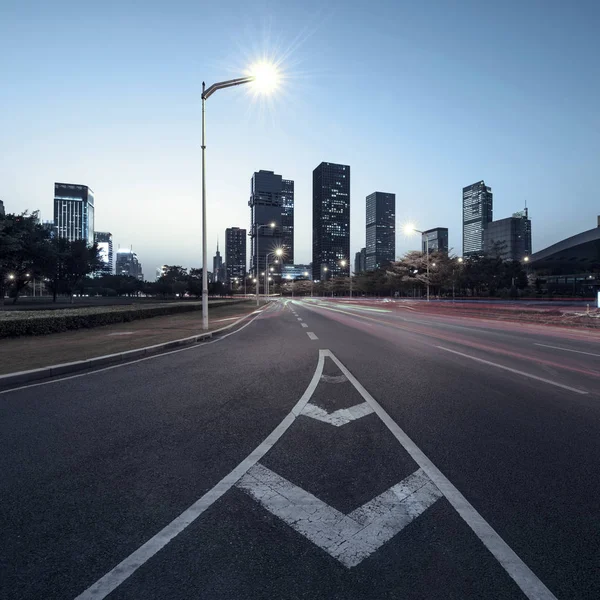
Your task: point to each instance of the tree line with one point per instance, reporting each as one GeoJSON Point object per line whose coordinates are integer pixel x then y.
{"type": "Point", "coordinates": [28, 253]}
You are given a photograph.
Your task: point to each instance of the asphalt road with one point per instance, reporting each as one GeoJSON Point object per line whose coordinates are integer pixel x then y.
{"type": "Point", "coordinates": [328, 449]}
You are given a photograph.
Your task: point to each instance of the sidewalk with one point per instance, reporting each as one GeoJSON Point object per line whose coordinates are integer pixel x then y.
{"type": "Point", "coordinates": [25, 353]}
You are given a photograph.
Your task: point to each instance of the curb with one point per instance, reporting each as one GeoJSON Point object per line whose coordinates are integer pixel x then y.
{"type": "Point", "coordinates": [111, 359]}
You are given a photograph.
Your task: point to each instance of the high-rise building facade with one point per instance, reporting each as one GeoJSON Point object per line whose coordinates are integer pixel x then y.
{"type": "Point", "coordinates": [287, 221]}
{"type": "Point", "coordinates": [436, 239]}
{"type": "Point", "coordinates": [105, 246]}
{"type": "Point", "coordinates": [265, 210]}
{"type": "Point", "coordinates": [218, 267]}
{"type": "Point", "coordinates": [128, 264]}
{"type": "Point", "coordinates": [331, 221]}
{"type": "Point", "coordinates": [235, 253]}
{"type": "Point", "coordinates": [1, 208]}
{"type": "Point", "coordinates": [477, 213]}
{"type": "Point", "coordinates": [360, 261]}
{"type": "Point", "coordinates": [510, 238]}
{"type": "Point", "coordinates": [381, 229]}
{"type": "Point", "coordinates": [74, 212]}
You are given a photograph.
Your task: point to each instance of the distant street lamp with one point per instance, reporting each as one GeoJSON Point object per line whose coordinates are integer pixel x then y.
{"type": "Point", "coordinates": [258, 228]}
{"type": "Point", "coordinates": [411, 229]}
{"type": "Point", "coordinates": [460, 259]}
{"type": "Point", "coordinates": [264, 76]}
{"type": "Point", "coordinates": [278, 252]}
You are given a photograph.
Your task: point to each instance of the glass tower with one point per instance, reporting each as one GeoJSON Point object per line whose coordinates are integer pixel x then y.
{"type": "Point", "coordinates": [477, 213]}
{"type": "Point", "coordinates": [331, 221]}
{"type": "Point", "coordinates": [381, 229]}
{"type": "Point", "coordinates": [74, 212]}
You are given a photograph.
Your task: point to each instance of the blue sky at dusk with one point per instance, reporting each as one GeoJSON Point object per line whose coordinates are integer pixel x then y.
{"type": "Point", "coordinates": [420, 98]}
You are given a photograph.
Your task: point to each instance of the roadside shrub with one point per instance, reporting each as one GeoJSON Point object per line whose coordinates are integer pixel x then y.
{"type": "Point", "coordinates": [32, 323]}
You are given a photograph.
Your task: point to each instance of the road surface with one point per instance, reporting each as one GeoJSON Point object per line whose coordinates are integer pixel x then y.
{"type": "Point", "coordinates": [328, 449]}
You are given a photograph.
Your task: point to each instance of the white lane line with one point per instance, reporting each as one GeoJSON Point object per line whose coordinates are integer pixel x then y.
{"type": "Point", "coordinates": [109, 582]}
{"type": "Point", "coordinates": [304, 324]}
{"type": "Point", "coordinates": [521, 574]}
{"type": "Point", "coordinates": [299, 319]}
{"type": "Point", "coordinates": [133, 362]}
{"type": "Point", "coordinates": [311, 335]}
{"type": "Point", "coordinates": [567, 349]}
{"type": "Point", "coordinates": [505, 368]}
{"type": "Point", "coordinates": [348, 538]}
{"type": "Point", "coordinates": [339, 417]}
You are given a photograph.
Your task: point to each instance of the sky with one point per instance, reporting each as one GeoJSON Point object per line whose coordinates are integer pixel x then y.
{"type": "Point", "coordinates": [419, 98]}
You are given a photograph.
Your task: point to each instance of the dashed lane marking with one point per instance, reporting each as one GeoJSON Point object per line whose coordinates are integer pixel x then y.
{"type": "Point", "coordinates": [304, 324]}
{"type": "Point", "coordinates": [567, 349]}
{"type": "Point", "coordinates": [348, 538]}
{"type": "Point", "coordinates": [311, 335]}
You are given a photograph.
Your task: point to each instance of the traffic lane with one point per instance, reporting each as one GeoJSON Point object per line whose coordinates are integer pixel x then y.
{"type": "Point", "coordinates": [239, 550]}
{"type": "Point", "coordinates": [583, 339]}
{"type": "Point", "coordinates": [296, 543]}
{"type": "Point", "coordinates": [522, 452]}
{"type": "Point", "coordinates": [520, 354]}
{"type": "Point", "coordinates": [94, 466]}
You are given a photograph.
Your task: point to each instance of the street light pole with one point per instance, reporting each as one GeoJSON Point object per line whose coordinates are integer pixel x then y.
{"type": "Point", "coordinates": [206, 93]}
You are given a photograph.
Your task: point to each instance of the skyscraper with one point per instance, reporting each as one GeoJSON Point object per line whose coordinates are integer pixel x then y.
{"type": "Point", "coordinates": [331, 221]}
{"type": "Point", "coordinates": [235, 253]}
{"type": "Point", "coordinates": [265, 209]}
{"type": "Point", "coordinates": [477, 213]}
{"type": "Point", "coordinates": [128, 264]}
{"type": "Point", "coordinates": [287, 221]}
{"type": "Point", "coordinates": [218, 267]}
{"type": "Point", "coordinates": [74, 212]}
{"type": "Point", "coordinates": [105, 245]}
{"type": "Point", "coordinates": [1, 208]}
{"type": "Point", "coordinates": [509, 238]}
{"type": "Point", "coordinates": [436, 239]}
{"type": "Point", "coordinates": [381, 229]}
{"type": "Point", "coordinates": [360, 260]}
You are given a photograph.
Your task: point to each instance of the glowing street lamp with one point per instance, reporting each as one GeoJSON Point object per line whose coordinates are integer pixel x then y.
{"type": "Point", "coordinates": [264, 78]}
{"type": "Point", "coordinates": [278, 252]}
{"type": "Point", "coordinates": [258, 228]}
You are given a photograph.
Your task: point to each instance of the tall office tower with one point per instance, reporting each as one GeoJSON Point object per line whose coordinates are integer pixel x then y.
{"type": "Point", "coordinates": [331, 221]}
{"type": "Point", "coordinates": [105, 245]}
{"type": "Point", "coordinates": [287, 221]}
{"type": "Point", "coordinates": [381, 229]}
{"type": "Point", "coordinates": [1, 208]}
{"type": "Point", "coordinates": [74, 212]}
{"type": "Point", "coordinates": [510, 238]}
{"type": "Point", "coordinates": [265, 210]}
{"type": "Point", "coordinates": [360, 261]}
{"type": "Point", "coordinates": [436, 239]}
{"type": "Point", "coordinates": [218, 267]}
{"type": "Point", "coordinates": [477, 213]}
{"type": "Point", "coordinates": [235, 253]}
{"type": "Point", "coordinates": [128, 264]}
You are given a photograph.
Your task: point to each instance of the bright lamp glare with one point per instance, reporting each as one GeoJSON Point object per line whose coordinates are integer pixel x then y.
{"type": "Point", "coordinates": [266, 77]}
{"type": "Point", "coordinates": [279, 251]}
{"type": "Point", "coordinates": [409, 229]}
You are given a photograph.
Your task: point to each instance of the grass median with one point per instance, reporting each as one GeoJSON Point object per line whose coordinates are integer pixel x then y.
{"type": "Point", "coordinates": [34, 352]}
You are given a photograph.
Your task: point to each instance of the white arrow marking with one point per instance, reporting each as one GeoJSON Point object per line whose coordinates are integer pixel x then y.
{"type": "Point", "coordinates": [339, 417]}
{"type": "Point", "coordinates": [348, 538]}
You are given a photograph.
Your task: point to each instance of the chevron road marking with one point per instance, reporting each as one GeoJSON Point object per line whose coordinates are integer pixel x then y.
{"type": "Point", "coordinates": [348, 538]}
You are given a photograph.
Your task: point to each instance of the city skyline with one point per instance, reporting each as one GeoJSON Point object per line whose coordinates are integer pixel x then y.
{"type": "Point", "coordinates": [497, 113]}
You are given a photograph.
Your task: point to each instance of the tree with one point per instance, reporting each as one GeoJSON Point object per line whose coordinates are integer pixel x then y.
{"type": "Point", "coordinates": [24, 246]}
{"type": "Point", "coordinates": [68, 263]}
